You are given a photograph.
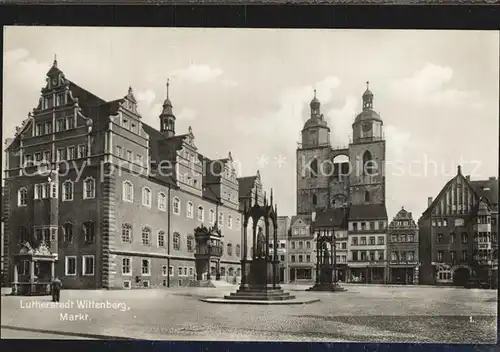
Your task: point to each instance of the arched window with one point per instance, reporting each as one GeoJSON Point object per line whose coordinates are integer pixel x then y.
{"type": "Point", "coordinates": [146, 197]}
{"type": "Point", "coordinates": [176, 206]}
{"type": "Point", "coordinates": [229, 221]}
{"type": "Point", "coordinates": [189, 210]}
{"type": "Point", "coordinates": [161, 238]}
{"type": "Point", "coordinates": [201, 213]}
{"type": "Point", "coordinates": [22, 197]}
{"type": "Point", "coordinates": [189, 243]}
{"type": "Point", "coordinates": [367, 196]}
{"type": "Point", "coordinates": [89, 231]}
{"type": "Point", "coordinates": [127, 233]}
{"type": "Point", "coordinates": [369, 165]}
{"type": "Point", "coordinates": [314, 168]}
{"type": "Point", "coordinates": [221, 219]}
{"type": "Point", "coordinates": [212, 216]}
{"type": "Point", "coordinates": [128, 191]}
{"type": "Point", "coordinates": [177, 241]}
{"type": "Point", "coordinates": [67, 190]}
{"type": "Point", "coordinates": [229, 249]}
{"type": "Point", "coordinates": [314, 199]}
{"type": "Point", "coordinates": [68, 232]}
{"type": "Point", "coordinates": [238, 222]}
{"type": "Point", "coordinates": [162, 201]}
{"type": "Point", "coordinates": [146, 236]}
{"type": "Point", "coordinates": [238, 250]}
{"type": "Point", "coordinates": [89, 188]}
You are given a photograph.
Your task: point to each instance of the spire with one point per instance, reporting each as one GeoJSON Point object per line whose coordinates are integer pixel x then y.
{"type": "Point", "coordinates": [55, 61]}
{"type": "Point", "coordinates": [167, 116]}
{"type": "Point", "coordinates": [459, 170]}
{"type": "Point", "coordinates": [315, 105]}
{"type": "Point", "coordinates": [271, 199]}
{"type": "Point", "coordinates": [367, 97]}
{"type": "Point", "coordinates": [168, 85]}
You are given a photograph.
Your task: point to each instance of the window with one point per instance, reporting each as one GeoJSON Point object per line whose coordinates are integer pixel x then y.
{"type": "Point", "coordinates": [221, 219]}
{"type": "Point", "coordinates": [230, 221]}
{"type": "Point", "coordinates": [161, 238]}
{"type": "Point", "coordinates": [238, 250]}
{"type": "Point", "coordinates": [38, 157]}
{"type": "Point", "coordinates": [308, 245]}
{"type": "Point", "coordinates": [229, 249]}
{"type": "Point", "coordinates": [453, 238]}
{"type": "Point", "coordinates": [394, 256]}
{"type": "Point", "coordinates": [177, 241]}
{"type": "Point", "coordinates": [128, 191]}
{"type": "Point", "coordinates": [145, 267]}
{"type": "Point", "coordinates": [238, 222]}
{"type": "Point", "coordinates": [189, 210]}
{"type": "Point", "coordinates": [70, 266]}
{"type": "Point", "coordinates": [70, 122]}
{"type": "Point", "coordinates": [381, 225]}
{"type": "Point", "coordinates": [127, 284]}
{"type": "Point", "coordinates": [211, 217]}
{"type": "Point", "coordinates": [162, 201]}
{"type": "Point", "coordinates": [465, 237]}
{"type": "Point", "coordinates": [367, 196]}
{"type": "Point", "coordinates": [23, 235]}
{"type": "Point", "coordinates": [146, 236]}
{"type": "Point", "coordinates": [292, 258]}
{"type": "Point", "coordinates": [38, 129]}
{"type": "Point", "coordinates": [453, 256]}
{"type": "Point", "coordinates": [176, 206]}
{"type": "Point", "coordinates": [164, 271]}
{"type": "Point", "coordinates": [355, 255]}
{"type": "Point", "coordinates": [60, 125]}
{"type": "Point", "coordinates": [380, 255]}
{"type": "Point", "coordinates": [88, 264]}
{"type": "Point", "coordinates": [459, 222]}
{"type": "Point", "coordinates": [48, 127]}
{"type": "Point", "coordinates": [138, 159]}
{"type": "Point", "coordinates": [146, 197]}
{"type": "Point", "coordinates": [71, 153]}
{"type": "Point", "coordinates": [28, 160]}
{"type": "Point", "coordinates": [440, 256]}
{"type": "Point", "coordinates": [129, 155]}
{"type": "Point", "coordinates": [82, 151]}
{"type": "Point", "coordinates": [68, 232]}
{"type": "Point", "coordinates": [126, 266]}
{"type": "Point", "coordinates": [380, 240]}
{"type": "Point", "coordinates": [355, 226]}
{"type": "Point", "coordinates": [372, 225]}
{"type": "Point", "coordinates": [308, 258]}
{"type": "Point", "coordinates": [439, 238]}
{"type": "Point", "coordinates": [372, 240]}
{"type": "Point", "coordinates": [411, 238]}
{"type": "Point", "coordinates": [464, 255]}
{"type": "Point", "coordinates": [363, 241]}
{"type": "Point", "coordinates": [67, 191]}
{"type": "Point", "coordinates": [314, 168]}
{"type": "Point", "coordinates": [119, 151]}
{"type": "Point", "coordinates": [179, 271]}
{"type": "Point", "coordinates": [363, 226]}
{"type": "Point", "coordinates": [47, 155]}
{"type": "Point", "coordinates": [200, 214]}
{"type": "Point", "coordinates": [22, 197]}
{"type": "Point", "coordinates": [60, 154]}
{"type": "Point", "coordinates": [301, 244]}
{"type": "Point", "coordinates": [314, 199]}
{"type": "Point", "coordinates": [403, 238]}
{"type": "Point", "coordinates": [89, 232]}
{"type": "Point", "coordinates": [363, 256]}
{"type": "Point", "coordinates": [89, 188]}
{"type": "Point", "coordinates": [127, 233]}
{"type": "Point", "coordinates": [189, 243]}
{"type": "Point", "coordinates": [354, 241]}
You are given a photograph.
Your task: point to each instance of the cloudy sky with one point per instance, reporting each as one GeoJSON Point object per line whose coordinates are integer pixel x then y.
{"type": "Point", "coordinates": [247, 91]}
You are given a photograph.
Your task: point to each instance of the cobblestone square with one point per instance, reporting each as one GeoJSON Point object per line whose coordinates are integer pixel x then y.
{"type": "Point", "coordinates": [361, 314]}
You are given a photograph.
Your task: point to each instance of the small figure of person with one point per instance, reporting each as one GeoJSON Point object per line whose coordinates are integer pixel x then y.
{"type": "Point", "coordinates": [56, 286]}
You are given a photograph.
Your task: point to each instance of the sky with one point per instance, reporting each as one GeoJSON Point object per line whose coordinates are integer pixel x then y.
{"type": "Point", "coordinates": [248, 91]}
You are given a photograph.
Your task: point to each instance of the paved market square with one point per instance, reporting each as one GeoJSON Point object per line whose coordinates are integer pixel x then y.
{"type": "Point", "coordinates": [361, 314]}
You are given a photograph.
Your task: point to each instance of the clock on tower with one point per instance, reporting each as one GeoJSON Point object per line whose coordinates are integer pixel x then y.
{"type": "Point", "coordinates": [367, 126]}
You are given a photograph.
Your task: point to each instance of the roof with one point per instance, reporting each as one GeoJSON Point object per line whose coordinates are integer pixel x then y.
{"type": "Point", "coordinates": [328, 218]}
{"type": "Point", "coordinates": [296, 218]}
{"type": "Point", "coordinates": [245, 185]}
{"type": "Point", "coordinates": [367, 212]}
{"type": "Point", "coordinates": [368, 114]}
{"type": "Point", "coordinates": [316, 121]}
{"type": "Point", "coordinates": [486, 189]}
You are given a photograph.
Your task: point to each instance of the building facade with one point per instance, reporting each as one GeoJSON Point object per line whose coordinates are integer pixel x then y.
{"type": "Point", "coordinates": [458, 233]}
{"type": "Point", "coordinates": [116, 200]}
{"type": "Point", "coordinates": [302, 256]}
{"type": "Point", "coordinates": [402, 249]}
{"type": "Point", "coordinates": [350, 177]}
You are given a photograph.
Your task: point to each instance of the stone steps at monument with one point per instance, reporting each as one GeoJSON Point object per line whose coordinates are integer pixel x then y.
{"type": "Point", "coordinates": [261, 297]}
{"type": "Point", "coordinates": [257, 294]}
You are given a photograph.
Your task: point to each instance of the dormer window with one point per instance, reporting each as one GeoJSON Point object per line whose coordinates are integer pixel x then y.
{"type": "Point", "coordinates": [39, 129]}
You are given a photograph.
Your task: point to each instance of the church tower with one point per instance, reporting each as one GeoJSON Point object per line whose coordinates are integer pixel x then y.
{"type": "Point", "coordinates": [313, 162]}
{"type": "Point", "coordinates": [367, 156]}
{"type": "Point", "coordinates": [167, 117]}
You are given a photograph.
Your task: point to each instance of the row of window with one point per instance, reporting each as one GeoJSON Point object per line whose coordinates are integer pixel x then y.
{"type": "Point", "coordinates": [147, 200]}
{"type": "Point", "coordinates": [49, 102]}
{"type": "Point", "coordinates": [49, 234]}
{"type": "Point", "coordinates": [401, 223]}
{"type": "Point", "coordinates": [407, 256]}
{"type": "Point", "coordinates": [50, 190]}
{"type": "Point", "coordinates": [452, 256]}
{"type": "Point", "coordinates": [370, 256]}
{"type": "Point", "coordinates": [367, 226]}
{"type": "Point", "coordinates": [453, 238]}
{"type": "Point", "coordinates": [129, 155]}
{"type": "Point", "coordinates": [371, 239]}
{"type": "Point", "coordinates": [66, 153]}
{"type": "Point", "coordinates": [71, 265]}
{"type": "Point", "coordinates": [300, 258]}
{"type": "Point", "coordinates": [403, 238]}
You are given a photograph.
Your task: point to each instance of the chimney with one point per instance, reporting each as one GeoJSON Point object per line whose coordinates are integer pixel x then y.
{"type": "Point", "coordinates": [467, 177]}
{"type": "Point", "coordinates": [492, 178]}
{"type": "Point", "coordinates": [429, 201]}
{"type": "Point", "coordinates": [409, 214]}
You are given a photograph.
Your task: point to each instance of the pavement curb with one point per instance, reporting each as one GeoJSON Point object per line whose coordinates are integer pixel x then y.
{"type": "Point", "coordinates": [67, 333]}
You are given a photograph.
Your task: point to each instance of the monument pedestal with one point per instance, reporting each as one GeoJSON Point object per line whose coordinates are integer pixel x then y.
{"type": "Point", "coordinates": [325, 282]}
{"type": "Point", "coordinates": [260, 282]}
